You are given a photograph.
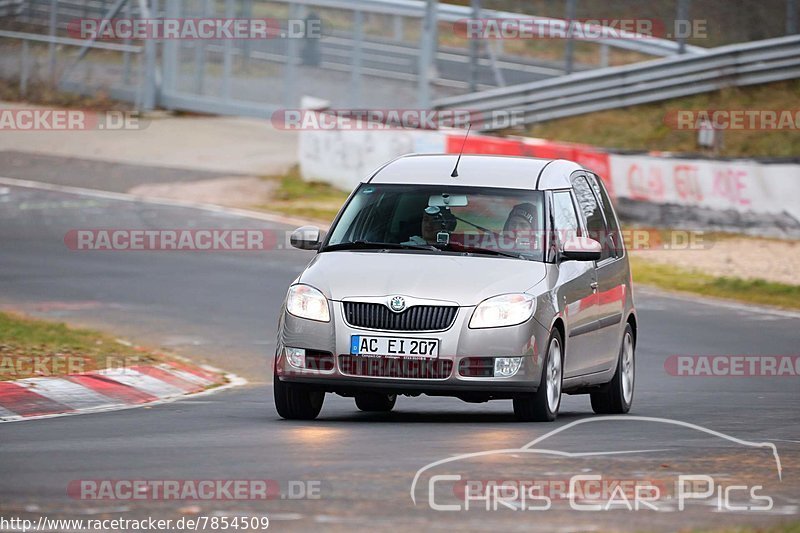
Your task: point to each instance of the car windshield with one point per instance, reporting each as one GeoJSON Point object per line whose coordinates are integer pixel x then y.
{"type": "Point", "coordinates": [442, 219]}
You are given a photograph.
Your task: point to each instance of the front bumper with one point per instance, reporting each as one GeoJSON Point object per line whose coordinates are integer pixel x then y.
{"type": "Point", "coordinates": [456, 344]}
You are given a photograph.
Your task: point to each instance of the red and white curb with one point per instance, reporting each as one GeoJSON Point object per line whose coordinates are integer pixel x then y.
{"type": "Point", "coordinates": [108, 390]}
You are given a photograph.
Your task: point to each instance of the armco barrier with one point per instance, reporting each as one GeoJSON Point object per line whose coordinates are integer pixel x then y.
{"type": "Point", "coordinates": [342, 158]}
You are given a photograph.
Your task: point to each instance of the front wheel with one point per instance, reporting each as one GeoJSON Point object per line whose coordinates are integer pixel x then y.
{"type": "Point", "coordinates": [296, 401]}
{"type": "Point", "coordinates": [542, 406]}
{"type": "Point", "coordinates": [617, 397]}
{"type": "Point", "coordinates": [376, 403]}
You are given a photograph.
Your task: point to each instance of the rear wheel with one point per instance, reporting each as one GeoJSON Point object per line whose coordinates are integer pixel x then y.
{"type": "Point", "coordinates": [373, 402]}
{"type": "Point", "coordinates": [542, 406]}
{"type": "Point", "coordinates": [617, 397]}
{"type": "Point", "coordinates": [295, 401]}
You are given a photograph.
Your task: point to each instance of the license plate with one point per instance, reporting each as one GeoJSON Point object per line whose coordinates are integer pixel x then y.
{"type": "Point", "coordinates": [394, 346]}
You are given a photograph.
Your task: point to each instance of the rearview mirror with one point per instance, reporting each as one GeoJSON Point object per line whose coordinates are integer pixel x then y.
{"type": "Point", "coordinates": [448, 200]}
{"type": "Point", "coordinates": [581, 249]}
{"type": "Point", "coordinates": [306, 238]}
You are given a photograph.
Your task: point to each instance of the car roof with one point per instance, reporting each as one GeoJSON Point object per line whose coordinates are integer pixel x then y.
{"type": "Point", "coordinates": [477, 171]}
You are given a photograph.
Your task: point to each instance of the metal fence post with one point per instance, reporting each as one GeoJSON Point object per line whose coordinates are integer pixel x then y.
{"type": "Point", "coordinates": [247, 13]}
{"type": "Point", "coordinates": [427, 46]}
{"type": "Point", "coordinates": [289, 78]}
{"type": "Point", "coordinates": [200, 52]}
{"type": "Point", "coordinates": [126, 56]}
{"type": "Point", "coordinates": [227, 57]}
{"type": "Point", "coordinates": [604, 57]}
{"type": "Point", "coordinates": [51, 49]}
{"type": "Point", "coordinates": [397, 26]}
{"type": "Point", "coordinates": [682, 15]}
{"type": "Point", "coordinates": [170, 49]}
{"type": "Point", "coordinates": [473, 49]}
{"type": "Point", "coordinates": [355, 72]}
{"type": "Point", "coordinates": [149, 78]}
{"type": "Point", "coordinates": [791, 17]}
{"type": "Point", "coordinates": [23, 70]}
{"type": "Point", "coordinates": [569, 52]}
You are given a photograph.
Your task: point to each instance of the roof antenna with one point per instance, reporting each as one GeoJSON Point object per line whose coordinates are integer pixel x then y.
{"type": "Point", "coordinates": [455, 169]}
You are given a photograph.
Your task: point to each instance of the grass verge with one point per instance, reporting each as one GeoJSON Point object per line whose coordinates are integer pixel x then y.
{"type": "Point", "coordinates": [306, 199]}
{"type": "Point", "coordinates": [32, 347]}
{"type": "Point", "coordinates": [643, 127]}
{"type": "Point", "coordinates": [755, 291]}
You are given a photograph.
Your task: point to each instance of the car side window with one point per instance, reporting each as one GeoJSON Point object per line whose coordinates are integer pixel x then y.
{"type": "Point", "coordinates": [565, 218]}
{"type": "Point", "coordinates": [613, 238]}
{"type": "Point", "coordinates": [592, 214]}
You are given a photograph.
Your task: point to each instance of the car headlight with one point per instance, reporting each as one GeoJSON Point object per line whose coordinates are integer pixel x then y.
{"type": "Point", "coordinates": [305, 301]}
{"type": "Point", "coordinates": [503, 310]}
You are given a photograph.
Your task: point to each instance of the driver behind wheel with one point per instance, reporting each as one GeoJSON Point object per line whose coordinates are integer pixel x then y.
{"type": "Point", "coordinates": [434, 220]}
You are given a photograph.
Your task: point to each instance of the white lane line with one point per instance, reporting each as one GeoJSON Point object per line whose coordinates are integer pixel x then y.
{"type": "Point", "coordinates": [66, 392]}
{"type": "Point", "coordinates": [735, 306]}
{"type": "Point", "coordinates": [294, 221]}
{"type": "Point", "coordinates": [137, 380]}
{"type": "Point", "coordinates": [125, 197]}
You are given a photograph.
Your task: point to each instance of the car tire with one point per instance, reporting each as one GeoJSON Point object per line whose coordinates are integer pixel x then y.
{"type": "Point", "coordinates": [296, 401]}
{"type": "Point", "coordinates": [375, 403]}
{"type": "Point", "coordinates": [617, 396]}
{"type": "Point", "coordinates": [542, 406]}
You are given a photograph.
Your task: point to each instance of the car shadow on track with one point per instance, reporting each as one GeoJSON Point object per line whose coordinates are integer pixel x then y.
{"type": "Point", "coordinates": [438, 417]}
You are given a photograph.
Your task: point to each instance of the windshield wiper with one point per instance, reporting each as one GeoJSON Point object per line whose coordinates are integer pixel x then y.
{"type": "Point", "coordinates": [370, 245]}
{"type": "Point", "coordinates": [457, 247]}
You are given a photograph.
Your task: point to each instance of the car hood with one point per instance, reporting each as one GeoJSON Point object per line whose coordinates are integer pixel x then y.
{"type": "Point", "coordinates": [466, 280]}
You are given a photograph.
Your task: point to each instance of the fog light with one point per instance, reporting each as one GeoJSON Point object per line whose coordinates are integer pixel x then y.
{"type": "Point", "coordinates": [505, 367]}
{"type": "Point", "coordinates": [296, 357]}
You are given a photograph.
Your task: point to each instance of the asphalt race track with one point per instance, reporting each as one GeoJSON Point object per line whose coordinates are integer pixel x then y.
{"type": "Point", "coordinates": [357, 469]}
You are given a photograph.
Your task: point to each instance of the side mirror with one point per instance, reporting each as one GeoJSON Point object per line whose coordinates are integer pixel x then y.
{"type": "Point", "coordinates": [306, 238]}
{"type": "Point", "coordinates": [581, 249]}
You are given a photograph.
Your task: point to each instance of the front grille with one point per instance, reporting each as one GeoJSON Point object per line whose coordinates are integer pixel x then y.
{"type": "Point", "coordinates": [395, 367]}
{"type": "Point", "coordinates": [416, 318]}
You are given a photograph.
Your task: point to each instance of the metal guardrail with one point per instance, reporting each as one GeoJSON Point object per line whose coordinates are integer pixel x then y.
{"type": "Point", "coordinates": [453, 13]}
{"type": "Point", "coordinates": [137, 94]}
{"type": "Point", "coordinates": [68, 41]}
{"type": "Point", "coordinates": [10, 7]}
{"type": "Point", "coordinates": [651, 81]}
{"type": "Point", "coordinates": [39, 11]}
{"type": "Point", "coordinates": [404, 8]}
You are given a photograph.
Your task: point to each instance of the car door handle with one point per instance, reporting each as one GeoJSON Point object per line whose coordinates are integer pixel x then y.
{"type": "Point", "coordinates": [593, 285]}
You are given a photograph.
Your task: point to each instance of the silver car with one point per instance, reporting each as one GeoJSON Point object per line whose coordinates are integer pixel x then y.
{"type": "Point", "coordinates": [489, 278]}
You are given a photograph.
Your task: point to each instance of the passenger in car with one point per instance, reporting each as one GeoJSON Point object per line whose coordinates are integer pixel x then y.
{"type": "Point", "coordinates": [520, 230]}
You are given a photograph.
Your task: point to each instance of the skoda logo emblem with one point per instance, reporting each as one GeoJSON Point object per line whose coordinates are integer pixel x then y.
{"type": "Point", "coordinates": [397, 303]}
